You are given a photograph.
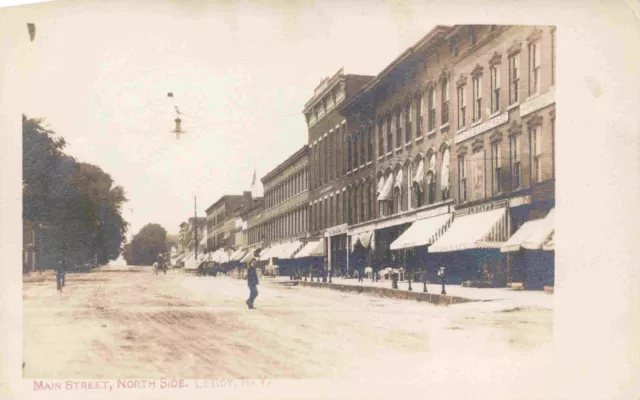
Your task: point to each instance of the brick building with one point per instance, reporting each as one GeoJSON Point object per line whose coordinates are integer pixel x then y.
{"type": "Point", "coordinates": [329, 163]}
{"type": "Point", "coordinates": [503, 109]}
{"type": "Point", "coordinates": [283, 222]}
{"type": "Point", "coordinates": [222, 220]}
{"type": "Point", "coordinates": [399, 161]}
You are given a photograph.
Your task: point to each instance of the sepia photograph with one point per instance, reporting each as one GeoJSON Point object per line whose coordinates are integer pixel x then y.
{"type": "Point", "coordinates": [221, 197]}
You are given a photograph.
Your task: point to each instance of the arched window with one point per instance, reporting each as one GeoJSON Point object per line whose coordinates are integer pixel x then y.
{"type": "Point", "coordinates": [418, 179]}
{"type": "Point", "coordinates": [431, 179]}
{"type": "Point", "coordinates": [444, 174]}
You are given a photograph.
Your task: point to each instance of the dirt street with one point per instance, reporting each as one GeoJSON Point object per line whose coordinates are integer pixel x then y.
{"type": "Point", "coordinates": [123, 322]}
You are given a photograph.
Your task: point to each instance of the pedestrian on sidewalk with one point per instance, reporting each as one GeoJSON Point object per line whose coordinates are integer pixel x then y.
{"type": "Point", "coordinates": [252, 281]}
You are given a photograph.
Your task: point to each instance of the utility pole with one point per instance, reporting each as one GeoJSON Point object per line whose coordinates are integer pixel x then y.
{"type": "Point", "coordinates": [195, 224]}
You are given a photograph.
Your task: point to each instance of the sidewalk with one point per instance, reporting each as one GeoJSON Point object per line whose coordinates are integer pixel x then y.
{"type": "Point", "coordinates": [503, 296]}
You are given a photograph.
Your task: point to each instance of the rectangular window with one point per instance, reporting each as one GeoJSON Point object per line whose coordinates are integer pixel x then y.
{"type": "Point", "coordinates": [407, 129]}
{"type": "Point", "coordinates": [338, 209]}
{"type": "Point", "coordinates": [432, 109]}
{"type": "Point", "coordinates": [515, 162]}
{"type": "Point", "coordinates": [370, 143]}
{"type": "Point", "coordinates": [461, 107]}
{"type": "Point", "coordinates": [455, 46]}
{"type": "Point", "coordinates": [536, 166]}
{"type": "Point", "coordinates": [445, 101]}
{"type": "Point", "coordinates": [497, 168]}
{"type": "Point", "coordinates": [534, 68]}
{"type": "Point", "coordinates": [380, 139]}
{"type": "Point", "coordinates": [363, 148]}
{"type": "Point", "coordinates": [462, 176]}
{"type": "Point", "coordinates": [514, 78]}
{"type": "Point", "coordinates": [345, 207]}
{"type": "Point", "coordinates": [330, 156]}
{"type": "Point", "coordinates": [399, 128]}
{"type": "Point", "coordinates": [362, 203]}
{"type": "Point", "coordinates": [495, 88]}
{"type": "Point", "coordinates": [420, 118]}
{"type": "Point", "coordinates": [370, 202]}
{"type": "Point", "coordinates": [355, 152]}
{"type": "Point", "coordinates": [477, 98]}
{"type": "Point", "coordinates": [349, 154]}
{"type": "Point", "coordinates": [389, 135]}
{"type": "Point", "coordinates": [330, 213]}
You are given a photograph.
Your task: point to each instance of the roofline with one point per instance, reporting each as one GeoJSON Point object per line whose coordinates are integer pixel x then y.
{"type": "Point", "coordinates": [289, 160]}
{"type": "Point", "coordinates": [424, 41]}
{"type": "Point", "coordinates": [223, 197]}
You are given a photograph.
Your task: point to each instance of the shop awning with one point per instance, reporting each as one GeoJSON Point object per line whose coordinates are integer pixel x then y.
{"type": "Point", "coordinates": [237, 255]}
{"type": "Point", "coordinates": [551, 244]}
{"type": "Point", "coordinates": [515, 242]}
{"type": "Point", "coordinates": [541, 235]}
{"type": "Point", "coordinates": [285, 250]}
{"type": "Point", "coordinates": [247, 257]}
{"type": "Point", "coordinates": [484, 230]}
{"type": "Point", "coordinates": [386, 189]}
{"type": "Point", "coordinates": [264, 254]}
{"type": "Point", "coordinates": [423, 232]}
{"type": "Point", "coordinates": [380, 185]}
{"type": "Point", "coordinates": [365, 239]}
{"type": "Point", "coordinates": [398, 182]}
{"type": "Point", "coordinates": [311, 249]}
{"type": "Point", "coordinates": [419, 176]}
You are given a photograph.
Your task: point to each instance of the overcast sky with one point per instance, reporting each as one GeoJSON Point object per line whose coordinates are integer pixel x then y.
{"type": "Point", "coordinates": [240, 72]}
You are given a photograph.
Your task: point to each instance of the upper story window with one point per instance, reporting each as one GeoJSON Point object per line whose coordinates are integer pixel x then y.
{"type": "Point", "coordinates": [462, 178]}
{"type": "Point", "coordinates": [495, 88]}
{"type": "Point", "coordinates": [363, 148]}
{"type": "Point", "coordinates": [389, 135]}
{"type": "Point", "coordinates": [462, 106]}
{"type": "Point", "coordinates": [349, 149]}
{"type": "Point", "coordinates": [514, 143]}
{"type": "Point", "coordinates": [399, 128]}
{"type": "Point", "coordinates": [355, 152]}
{"type": "Point", "coordinates": [369, 143]}
{"type": "Point", "coordinates": [455, 46]}
{"type": "Point", "coordinates": [474, 36]}
{"type": "Point", "coordinates": [420, 120]}
{"type": "Point", "coordinates": [496, 162]}
{"type": "Point", "coordinates": [333, 96]}
{"type": "Point", "coordinates": [445, 100]}
{"type": "Point", "coordinates": [514, 78]}
{"type": "Point", "coordinates": [477, 97]}
{"type": "Point", "coordinates": [536, 164]}
{"type": "Point", "coordinates": [431, 104]}
{"type": "Point", "coordinates": [408, 113]}
{"type": "Point", "coordinates": [534, 68]}
{"type": "Point", "coordinates": [380, 138]}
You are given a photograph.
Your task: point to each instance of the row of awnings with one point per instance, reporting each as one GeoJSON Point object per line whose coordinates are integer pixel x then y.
{"type": "Point", "coordinates": [385, 185]}
{"type": "Point", "coordinates": [484, 230]}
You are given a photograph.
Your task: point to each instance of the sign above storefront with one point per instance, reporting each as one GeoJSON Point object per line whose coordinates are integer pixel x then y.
{"type": "Point", "coordinates": [482, 208]}
{"type": "Point", "coordinates": [336, 230]}
{"type": "Point", "coordinates": [538, 102]}
{"type": "Point", "coordinates": [485, 126]}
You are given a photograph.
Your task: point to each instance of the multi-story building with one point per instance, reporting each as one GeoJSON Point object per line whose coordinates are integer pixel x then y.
{"type": "Point", "coordinates": [397, 166]}
{"type": "Point", "coordinates": [222, 222]}
{"type": "Point", "coordinates": [285, 215]}
{"type": "Point", "coordinates": [503, 173]}
{"type": "Point", "coordinates": [329, 163]}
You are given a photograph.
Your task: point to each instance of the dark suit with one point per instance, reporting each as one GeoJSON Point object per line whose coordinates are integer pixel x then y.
{"type": "Point", "coordinates": [252, 281]}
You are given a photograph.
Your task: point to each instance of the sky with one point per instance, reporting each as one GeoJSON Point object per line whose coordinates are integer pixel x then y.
{"type": "Point", "coordinates": [240, 72]}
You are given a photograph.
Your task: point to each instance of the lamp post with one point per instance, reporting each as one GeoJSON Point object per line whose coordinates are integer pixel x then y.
{"type": "Point", "coordinates": [442, 279]}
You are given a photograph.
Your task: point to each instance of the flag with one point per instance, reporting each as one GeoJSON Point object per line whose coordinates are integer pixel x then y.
{"type": "Point", "coordinates": [32, 30]}
{"type": "Point", "coordinates": [253, 180]}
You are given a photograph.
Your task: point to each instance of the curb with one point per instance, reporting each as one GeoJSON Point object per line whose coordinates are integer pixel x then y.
{"type": "Point", "coordinates": [433, 298]}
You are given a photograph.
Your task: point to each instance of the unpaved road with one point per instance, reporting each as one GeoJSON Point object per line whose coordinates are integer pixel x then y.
{"type": "Point", "coordinates": [129, 323]}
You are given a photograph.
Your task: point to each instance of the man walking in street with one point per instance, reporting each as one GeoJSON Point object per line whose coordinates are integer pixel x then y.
{"type": "Point", "coordinates": [252, 281]}
{"type": "Point", "coordinates": [61, 270]}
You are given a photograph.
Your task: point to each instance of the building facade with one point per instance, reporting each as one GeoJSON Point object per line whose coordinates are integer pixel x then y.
{"type": "Point", "coordinates": [286, 196]}
{"type": "Point", "coordinates": [503, 108]}
{"type": "Point", "coordinates": [329, 163]}
{"type": "Point", "coordinates": [221, 219]}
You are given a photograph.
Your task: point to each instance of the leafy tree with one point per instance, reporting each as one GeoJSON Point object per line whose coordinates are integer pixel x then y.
{"type": "Point", "coordinates": [75, 205]}
{"type": "Point", "coordinates": [146, 245]}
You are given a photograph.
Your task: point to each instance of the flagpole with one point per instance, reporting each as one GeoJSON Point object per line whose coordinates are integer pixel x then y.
{"type": "Point", "coordinates": [195, 224]}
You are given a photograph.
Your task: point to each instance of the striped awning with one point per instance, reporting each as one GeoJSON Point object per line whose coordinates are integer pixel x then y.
{"type": "Point", "coordinates": [285, 250]}
{"type": "Point", "coordinates": [423, 232]}
{"type": "Point", "coordinates": [386, 189]}
{"type": "Point", "coordinates": [365, 239]}
{"type": "Point", "coordinates": [484, 230]}
{"type": "Point", "coordinates": [314, 248]}
{"type": "Point", "coordinates": [542, 234]}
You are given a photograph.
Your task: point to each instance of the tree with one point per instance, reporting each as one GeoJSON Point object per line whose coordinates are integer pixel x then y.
{"type": "Point", "coordinates": [146, 245]}
{"type": "Point", "coordinates": [75, 205]}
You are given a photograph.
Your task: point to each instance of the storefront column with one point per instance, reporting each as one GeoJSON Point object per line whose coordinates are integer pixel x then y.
{"type": "Point", "coordinates": [348, 250]}
{"type": "Point", "coordinates": [329, 250]}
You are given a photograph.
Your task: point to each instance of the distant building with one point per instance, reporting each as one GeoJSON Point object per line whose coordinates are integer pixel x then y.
{"type": "Point", "coordinates": [221, 223]}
